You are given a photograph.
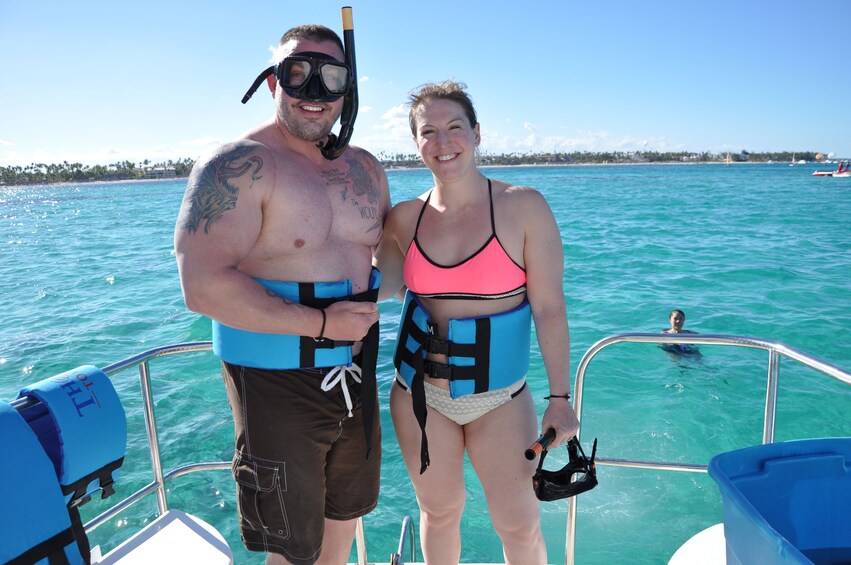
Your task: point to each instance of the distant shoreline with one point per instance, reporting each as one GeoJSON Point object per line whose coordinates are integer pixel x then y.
{"type": "Point", "coordinates": [420, 166]}
{"type": "Point", "coordinates": [674, 163]}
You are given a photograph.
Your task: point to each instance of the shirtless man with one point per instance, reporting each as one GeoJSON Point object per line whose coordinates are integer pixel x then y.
{"type": "Point", "coordinates": [259, 213]}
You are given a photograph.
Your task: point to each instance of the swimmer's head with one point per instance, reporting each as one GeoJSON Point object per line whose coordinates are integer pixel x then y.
{"type": "Point", "coordinates": [677, 319]}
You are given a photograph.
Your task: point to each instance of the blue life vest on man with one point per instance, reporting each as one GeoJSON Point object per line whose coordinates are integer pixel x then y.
{"type": "Point", "coordinates": [285, 351]}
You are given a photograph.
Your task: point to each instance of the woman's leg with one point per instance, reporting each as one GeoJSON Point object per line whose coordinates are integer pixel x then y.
{"type": "Point", "coordinates": [496, 443]}
{"type": "Point", "coordinates": [440, 490]}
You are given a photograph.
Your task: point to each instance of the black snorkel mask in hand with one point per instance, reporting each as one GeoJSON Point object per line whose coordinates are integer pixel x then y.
{"type": "Point", "coordinates": [555, 485]}
{"type": "Point", "coordinates": [321, 78]}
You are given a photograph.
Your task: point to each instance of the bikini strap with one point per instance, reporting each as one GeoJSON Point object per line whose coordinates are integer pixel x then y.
{"type": "Point", "coordinates": [490, 197]}
{"type": "Point", "coordinates": [422, 211]}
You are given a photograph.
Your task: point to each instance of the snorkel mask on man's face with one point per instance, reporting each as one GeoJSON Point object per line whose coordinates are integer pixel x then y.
{"type": "Point", "coordinates": [313, 76]}
{"type": "Point", "coordinates": [319, 77]}
{"type": "Point", "coordinates": [578, 476]}
{"type": "Point", "coordinates": [308, 75]}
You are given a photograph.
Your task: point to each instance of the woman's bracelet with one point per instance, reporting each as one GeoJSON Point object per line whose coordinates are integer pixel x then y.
{"type": "Point", "coordinates": [566, 396]}
{"type": "Point", "coordinates": [322, 330]}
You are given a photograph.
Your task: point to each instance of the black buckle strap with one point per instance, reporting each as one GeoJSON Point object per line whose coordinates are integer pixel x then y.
{"type": "Point", "coordinates": [369, 360]}
{"type": "Point", "coordinates": [450, 372]}
{"type": "Point", "coordinates": [449, 348]}
{"type": "Point", "coordinates": [103, 475]}
{"type": "Point", "coordinates": [325, 343]}
{"type": "Point", "coordinates": [307, 344]}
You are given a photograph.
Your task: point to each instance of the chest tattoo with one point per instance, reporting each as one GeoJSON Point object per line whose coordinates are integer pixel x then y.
{"type": "Point", "coordinates": [360, 187]}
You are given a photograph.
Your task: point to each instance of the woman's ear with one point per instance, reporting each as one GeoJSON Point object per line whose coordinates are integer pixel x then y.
{"type": "Point", "coordinates": [478, 134]}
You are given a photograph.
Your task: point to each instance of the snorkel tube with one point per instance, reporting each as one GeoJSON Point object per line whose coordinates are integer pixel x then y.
{"type": "Point", "coordinates": [336, 144]}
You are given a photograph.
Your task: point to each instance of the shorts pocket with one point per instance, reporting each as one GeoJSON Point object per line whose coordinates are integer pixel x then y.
{"type": "Point", "coordinates": [260, 500]}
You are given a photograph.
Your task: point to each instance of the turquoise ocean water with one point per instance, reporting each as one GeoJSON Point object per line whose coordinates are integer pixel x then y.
{"type": "Point", "coordinates": [88, 277]}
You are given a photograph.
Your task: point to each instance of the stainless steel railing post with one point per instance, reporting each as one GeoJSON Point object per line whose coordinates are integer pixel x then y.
{"type": "Point", "coordinates": [153, 440]}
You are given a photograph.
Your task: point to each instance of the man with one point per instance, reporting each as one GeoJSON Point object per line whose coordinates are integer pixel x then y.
{"type": "Point", "coordinates": [259, 214]}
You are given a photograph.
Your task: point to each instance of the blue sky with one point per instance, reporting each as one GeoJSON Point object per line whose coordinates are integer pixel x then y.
{"type": "Point", "coordinates": [102, 81]}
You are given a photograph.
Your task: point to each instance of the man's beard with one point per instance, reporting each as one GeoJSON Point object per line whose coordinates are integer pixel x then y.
{"type": "Point", "coordinates": [308, 131]}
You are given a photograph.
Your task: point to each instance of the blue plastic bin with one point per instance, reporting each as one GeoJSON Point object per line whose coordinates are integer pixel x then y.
{"type": "Point", "coordinates": [787, 502]}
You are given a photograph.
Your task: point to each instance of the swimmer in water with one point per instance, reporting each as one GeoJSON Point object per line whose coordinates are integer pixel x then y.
{"type": "Point", "coordinates": [677, 318]}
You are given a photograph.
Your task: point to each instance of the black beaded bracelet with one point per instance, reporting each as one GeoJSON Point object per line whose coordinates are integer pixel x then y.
{"type": "Point", "coordinates": [322, 330]}
{"type": "Point", "coordinates": [566, 396]}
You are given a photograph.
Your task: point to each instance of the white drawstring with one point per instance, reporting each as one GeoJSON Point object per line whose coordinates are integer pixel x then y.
{"type": "Point", "coordinates": [336, 376]}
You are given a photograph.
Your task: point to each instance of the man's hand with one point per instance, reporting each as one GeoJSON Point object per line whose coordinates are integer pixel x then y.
{"type": "Point", "coordinates": [349, 321]}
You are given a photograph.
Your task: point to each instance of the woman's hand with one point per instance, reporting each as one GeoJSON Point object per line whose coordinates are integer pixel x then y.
{"type": "Point", "coordinates": [560, 417]}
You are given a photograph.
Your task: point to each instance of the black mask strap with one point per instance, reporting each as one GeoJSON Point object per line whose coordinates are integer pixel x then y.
{"type": "Point", "coordinates": [257, 82]}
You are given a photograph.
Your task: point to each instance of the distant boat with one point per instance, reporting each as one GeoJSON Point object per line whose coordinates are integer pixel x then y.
{"type": "Point", "coordinates": [843, 170]}
{"type": "Point", "coordinates": [728, 160]}
{"type": "Point", "coordinates": [792, 163]}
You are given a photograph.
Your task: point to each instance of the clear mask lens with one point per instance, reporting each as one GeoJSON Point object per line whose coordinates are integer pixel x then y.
{"type": "Point", "coordinates": [297, 71]}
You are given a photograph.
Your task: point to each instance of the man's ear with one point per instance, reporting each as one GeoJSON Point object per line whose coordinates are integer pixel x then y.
{"type": "Point", "coordinates": [272, 83]}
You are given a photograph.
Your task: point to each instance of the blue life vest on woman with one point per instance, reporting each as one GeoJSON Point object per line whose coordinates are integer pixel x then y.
{"type": "Point", "coordinates": [484, 353]}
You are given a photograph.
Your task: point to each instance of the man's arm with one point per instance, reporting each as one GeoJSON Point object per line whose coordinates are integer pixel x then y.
{"type": "Point", "coordinates": [219, 222]}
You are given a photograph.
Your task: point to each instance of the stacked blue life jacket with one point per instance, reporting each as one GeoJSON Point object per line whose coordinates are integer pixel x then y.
{"type": "Point", "coordinates": [66, 446]}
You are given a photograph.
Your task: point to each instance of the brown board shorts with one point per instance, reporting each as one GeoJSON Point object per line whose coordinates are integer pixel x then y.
{"type": "Point", "coordinates": [299, 458]}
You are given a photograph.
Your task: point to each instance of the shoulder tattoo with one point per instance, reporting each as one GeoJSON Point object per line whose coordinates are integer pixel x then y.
{"type": "Point", "coordinates": [215, 190]}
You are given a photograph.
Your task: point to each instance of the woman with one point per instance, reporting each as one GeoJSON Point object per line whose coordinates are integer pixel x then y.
{"type": "Point", "coordinates": [479, 258]}
{"type": "Point", "coordinates": [677, 319]}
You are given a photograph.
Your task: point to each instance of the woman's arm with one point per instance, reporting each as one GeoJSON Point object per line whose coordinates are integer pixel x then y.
{"type": "Point", "coordinates": [544, 259]}
{"type": "Point", "coordinates": [390, 256]}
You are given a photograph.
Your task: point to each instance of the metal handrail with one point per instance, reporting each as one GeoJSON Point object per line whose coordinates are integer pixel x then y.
{"type": "Point", "coordinates": [775, 351]}
{"type": "Point", "coordinates": [407, 530]}
{"type": "Point", "coordinates": [160, 478]}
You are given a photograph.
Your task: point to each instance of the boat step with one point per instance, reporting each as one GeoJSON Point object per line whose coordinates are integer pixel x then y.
{"type": "Point", "coordinates": [175, 538]}
{"type": "Point", "coordinates": [707, 547]}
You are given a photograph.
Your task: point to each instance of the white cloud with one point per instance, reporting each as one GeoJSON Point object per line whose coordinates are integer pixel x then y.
{"type": "Point", "coordinates": [390, 133]}
{"type": "Point", "coordinates": [592, 141]}
{"type": "Point", "coordinates": [5, 143]}
{"type": "Point", "coordinates": [97, 156]}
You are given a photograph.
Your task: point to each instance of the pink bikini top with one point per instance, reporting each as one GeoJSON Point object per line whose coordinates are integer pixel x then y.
{"type": "Point", "coordinates": [489, 273]}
